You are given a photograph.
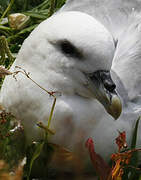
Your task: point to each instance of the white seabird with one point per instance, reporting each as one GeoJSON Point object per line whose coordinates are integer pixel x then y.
{"type": "Point", "coordinates": [66, 53]}
{"type": "Point", "coordinates": [123, 20]}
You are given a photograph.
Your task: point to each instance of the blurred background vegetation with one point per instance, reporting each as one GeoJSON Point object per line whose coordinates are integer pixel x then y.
{"type": "Point", "coordinates": [35, 11]}
{"type": "Point", "coordinates": [14, 28]}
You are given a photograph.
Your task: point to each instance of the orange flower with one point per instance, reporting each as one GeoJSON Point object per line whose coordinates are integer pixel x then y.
{"type": "Point", "coordinates": [120, 159]}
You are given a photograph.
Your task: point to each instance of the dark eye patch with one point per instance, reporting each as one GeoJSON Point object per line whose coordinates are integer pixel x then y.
{"type": "Point", "coordinates": [69, 49]}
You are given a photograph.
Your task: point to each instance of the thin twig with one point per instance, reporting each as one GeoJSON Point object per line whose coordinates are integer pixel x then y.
{"type": "Point", "coordinates": [27, 75]}
{"type": "Point", "coordinates": [40, 124]}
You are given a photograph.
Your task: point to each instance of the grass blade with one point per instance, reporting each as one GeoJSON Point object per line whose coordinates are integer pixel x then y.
{"type": "Point", "coordinates": [36, 15]}
{"type": "Point", "coordinates": [33, 153]}
{"type": "Point", "coordinates": [134, 159]}
{"type": "Point", "coordinates": [7, 9]}
{"type": "Point", "coordinates": [134, 137]}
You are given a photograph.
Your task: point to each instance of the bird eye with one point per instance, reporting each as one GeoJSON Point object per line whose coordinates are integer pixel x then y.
{"type": "Point", "coordinates": [69, 49]}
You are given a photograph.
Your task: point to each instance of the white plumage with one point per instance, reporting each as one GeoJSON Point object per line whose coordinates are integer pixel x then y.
{"type": "Point", "coordinates": [77, 114]}
{"type": "Point", "coordinates": [123, 20]}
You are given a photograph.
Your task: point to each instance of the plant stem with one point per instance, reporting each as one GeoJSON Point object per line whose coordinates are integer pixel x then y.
{"type": "Point", "coordinates": [51, 113]}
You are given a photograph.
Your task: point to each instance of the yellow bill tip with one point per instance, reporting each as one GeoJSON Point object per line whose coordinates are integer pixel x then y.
{"type": "Point", "coordinates": [115, 108]}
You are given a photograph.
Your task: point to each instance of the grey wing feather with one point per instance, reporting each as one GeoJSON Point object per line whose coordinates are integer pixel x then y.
{"type": "Point", "coordinates": [113, 14]}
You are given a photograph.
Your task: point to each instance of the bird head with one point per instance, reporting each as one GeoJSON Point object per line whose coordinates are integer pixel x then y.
{"type": "Point", "coordinates": [74, 52]}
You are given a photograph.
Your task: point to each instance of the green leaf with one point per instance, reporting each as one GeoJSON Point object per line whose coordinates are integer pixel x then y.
{"type": "Point", "coordinates": [38, 156]}
{"type": "Point", "coordinates": [134, 137]}
{"type": "Point", "coordinates": [36, 15]}
{"type": "Point", "coordinates": [22, 32]}
{"type": "Point", "coordinates": [134, 159]}
{"type": "Point", "coordinates": [28, 29]}
{"type": "Point", "coordinates": [42, 6]}
{"type": "Point", "coordinates": [5, 28]}
{"type": "Point", "coordinates": [32, 154]}
{"type": "Point", "coordinates": [60, 3]}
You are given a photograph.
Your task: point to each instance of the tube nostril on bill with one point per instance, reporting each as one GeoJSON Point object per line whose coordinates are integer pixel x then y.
{"type": "Point", "coordinates": [109, 85]}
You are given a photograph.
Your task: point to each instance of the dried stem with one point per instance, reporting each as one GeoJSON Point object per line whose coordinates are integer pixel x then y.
{"type": "Point", "coordinates": [40, 124]}
{"type": "Point", "coordinates": [27, 75]}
